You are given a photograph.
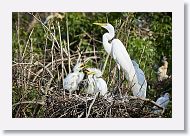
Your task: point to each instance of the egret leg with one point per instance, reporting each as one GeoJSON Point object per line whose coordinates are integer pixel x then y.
{"type": "Point", "coordinates": [119, 82]}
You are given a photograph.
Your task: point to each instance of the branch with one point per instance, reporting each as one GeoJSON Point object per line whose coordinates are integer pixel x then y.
{"type": "Point", "coordinates": [147, 100]}
{"type": "Point", "coordinates": [30, 102]}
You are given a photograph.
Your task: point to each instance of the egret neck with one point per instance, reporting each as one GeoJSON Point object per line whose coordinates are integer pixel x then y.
{"type": "Point", "coordinates": [106, 38]}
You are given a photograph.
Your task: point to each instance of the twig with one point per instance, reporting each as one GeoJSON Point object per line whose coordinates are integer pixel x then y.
{"type": "Point", "coordinates": [146, 100]}
{"type": "Point", "coordinates": [30, 102]}
{"type": "Point", "coordinates": [27, 44]}
{"type": "Point", "coordinates": [62, 65]}
{"type": "Point", "coordinates": [88, 113]}
{"type": "Point", "coordinates": [48, 30]}
{"type": "Point", "coordinates": [68, 49]}
{"type": "Point", "coordinates": [105, 63]}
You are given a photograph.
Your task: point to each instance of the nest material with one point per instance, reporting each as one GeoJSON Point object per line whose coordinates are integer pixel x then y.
{"type": "Point", "coordinates": [82, 106]}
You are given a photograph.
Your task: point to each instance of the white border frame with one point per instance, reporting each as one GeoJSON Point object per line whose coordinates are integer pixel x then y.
{"type": "Point", "coordinates": [174, 123]}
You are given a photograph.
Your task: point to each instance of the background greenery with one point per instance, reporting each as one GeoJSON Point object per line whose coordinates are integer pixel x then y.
{"type": "Point", "coordinates": [36, 45]}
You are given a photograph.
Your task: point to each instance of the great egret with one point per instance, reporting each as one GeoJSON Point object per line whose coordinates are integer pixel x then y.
{"type": "Point", "coordinates": [162, 71]}
{"type": "Point", "coordinates": [122, 58]}
{"type": "Point", "coordinates": [163, 102]}
{"type": "Point", "coordinates": [72, 80]}
{"type": "Point", "coordinates": [95, 82]}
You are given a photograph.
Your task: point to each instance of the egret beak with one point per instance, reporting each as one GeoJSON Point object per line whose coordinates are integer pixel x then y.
{"type": "Point", "coordinates": [88, 72]}
{"type": "Point", "coordinates": [100, 24]}
{"type": "Point", "coordinates": [91, 73]}
{"type": "Point", "coordinates": [83, 66]}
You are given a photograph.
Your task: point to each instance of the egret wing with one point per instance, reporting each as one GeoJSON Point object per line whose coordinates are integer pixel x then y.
{"type": "Point", "coordinates": [122, 57]}
{"type": "Point", "coordinates": [101, 86]}
{"type": "Point", "coordinates": [70, 82]}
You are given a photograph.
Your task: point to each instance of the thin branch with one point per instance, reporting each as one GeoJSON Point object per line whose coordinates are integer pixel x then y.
{"type": "Point", "coordinates": [88, 113]}
{"type": "Point", "coordinates": [49, 31]}
{"type": "Point", "coordinates": [146, 100]}
{"type": "Point", "coordinates": [68, 48]}
{"type": "Point", "coordinates": [30, 102]}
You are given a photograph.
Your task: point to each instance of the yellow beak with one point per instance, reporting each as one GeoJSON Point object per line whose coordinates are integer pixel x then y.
{"type": "Point", "coordinates": [100, 24]}
{"type": "Point", "coordinates": [88, 72]}
{"type": "Point", "coordinates": [83, 66]}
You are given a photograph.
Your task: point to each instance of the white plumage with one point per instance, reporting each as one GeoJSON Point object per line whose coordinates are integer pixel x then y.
{"type": "Point", "coordinates": [141, 80]}
{"type": "Point", "coordinates": [72, 80]}
{"type": "Point", "coordinates": [162, 101]}
{"type": "Point", "coordinates": [122, 58]}
{"type": "Point", "coordinates": [95, 82]}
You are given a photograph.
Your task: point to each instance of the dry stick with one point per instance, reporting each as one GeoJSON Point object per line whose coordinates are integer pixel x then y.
{"type": "Point", "coordinates": [49, 31]}
{"type": "Point", "coordinates": [52, 57]}
{"type": "Point", "coordinates": [27, 43]}
{"type": "Point", "coordinates": [18, 37]}
{"type": "Point", "coordinates": [19, 46]}
{"type": "Point", "coordinates": [68, 49]}
{"type": "Point", "coordinates": [110, 69]}
{"type": "Point", "coordinates": [29, 102]}
{"type": "Point", "coordinates": [91, 105]}
{"type": "Point", "coordinates": [79, 116]}
{"type": "Point", "coordinates": [49, 82]}
{"type": "Point", "coordinates": [32, 72]}
{"type": "Point", "coordinates": [36, 107]}
{"type": "Point", "coordinates": [129, 30]}
{"type": "Point", "coordinates": [13, 65]}
{"type": "Point", "coordinates": [19, 56]}
{"type": "Point", "coordinates": [105, 63]}
{"type": "Point", "coordinates": [68, 110]}
{"type": "Point", "coordinates": [31, 61]}
{"type": "Point", "coordinates": [50, 63]}
{"type": "Point", "coordinates": [62, 65]}
{"type": "Point", "coordinates": [120, 29]}
{"type": "Point", "coordinates": [91, 38]}
{"type": "Point", "coordinates": [94, 50]}
{"type": "Point", "coordinates": [146, 100]}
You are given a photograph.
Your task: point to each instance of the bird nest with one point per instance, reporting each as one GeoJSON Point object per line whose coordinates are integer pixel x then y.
{"type": "Point", "coordinates": [82, 106]}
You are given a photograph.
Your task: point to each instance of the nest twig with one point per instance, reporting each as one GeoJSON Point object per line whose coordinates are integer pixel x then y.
{"type": "Point", "coordinates": [82, 106]}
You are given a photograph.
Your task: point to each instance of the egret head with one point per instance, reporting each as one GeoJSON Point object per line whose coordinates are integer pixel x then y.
{"type": "Point", "coordinates": [93, 71]}
{"type": "Point", "coordinates": [79, 67]}
{"type": "Point", "coordinates": [107, 26]}
{"type": "Point", "coordinates": [166, 95]}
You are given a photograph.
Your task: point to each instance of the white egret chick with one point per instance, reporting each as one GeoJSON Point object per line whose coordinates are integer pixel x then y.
{"type": "Point", "coordinates": [141, 80]}
{"type": "Point", "coordinates": [163, 102]}
{"type": "Point", "coordinates": [71, 82]}
{"type": "Point", "coordinates": [121, 57]}
{"type": "Point", "coordinates": [95, 82]}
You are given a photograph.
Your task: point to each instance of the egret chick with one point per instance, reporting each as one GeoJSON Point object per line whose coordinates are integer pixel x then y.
{"type": "Point", "coordinates": [95, 82]}
{"type": "Point", "coordinates": [162, 102]}
{"type": "Point", "coordinates": [71, 82]}
{"type": "Point", "coordinates": [162, 71]}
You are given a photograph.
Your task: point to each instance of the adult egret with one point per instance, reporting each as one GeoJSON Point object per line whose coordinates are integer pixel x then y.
{"type": "Point", "coordinates": [95, 82]}
{"type": "Point", "coordinates": [163, 102]}
{"type": "Point", "coordinates": [121, 56]}
{"type": "Point", "coordinates": [71, 82]}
